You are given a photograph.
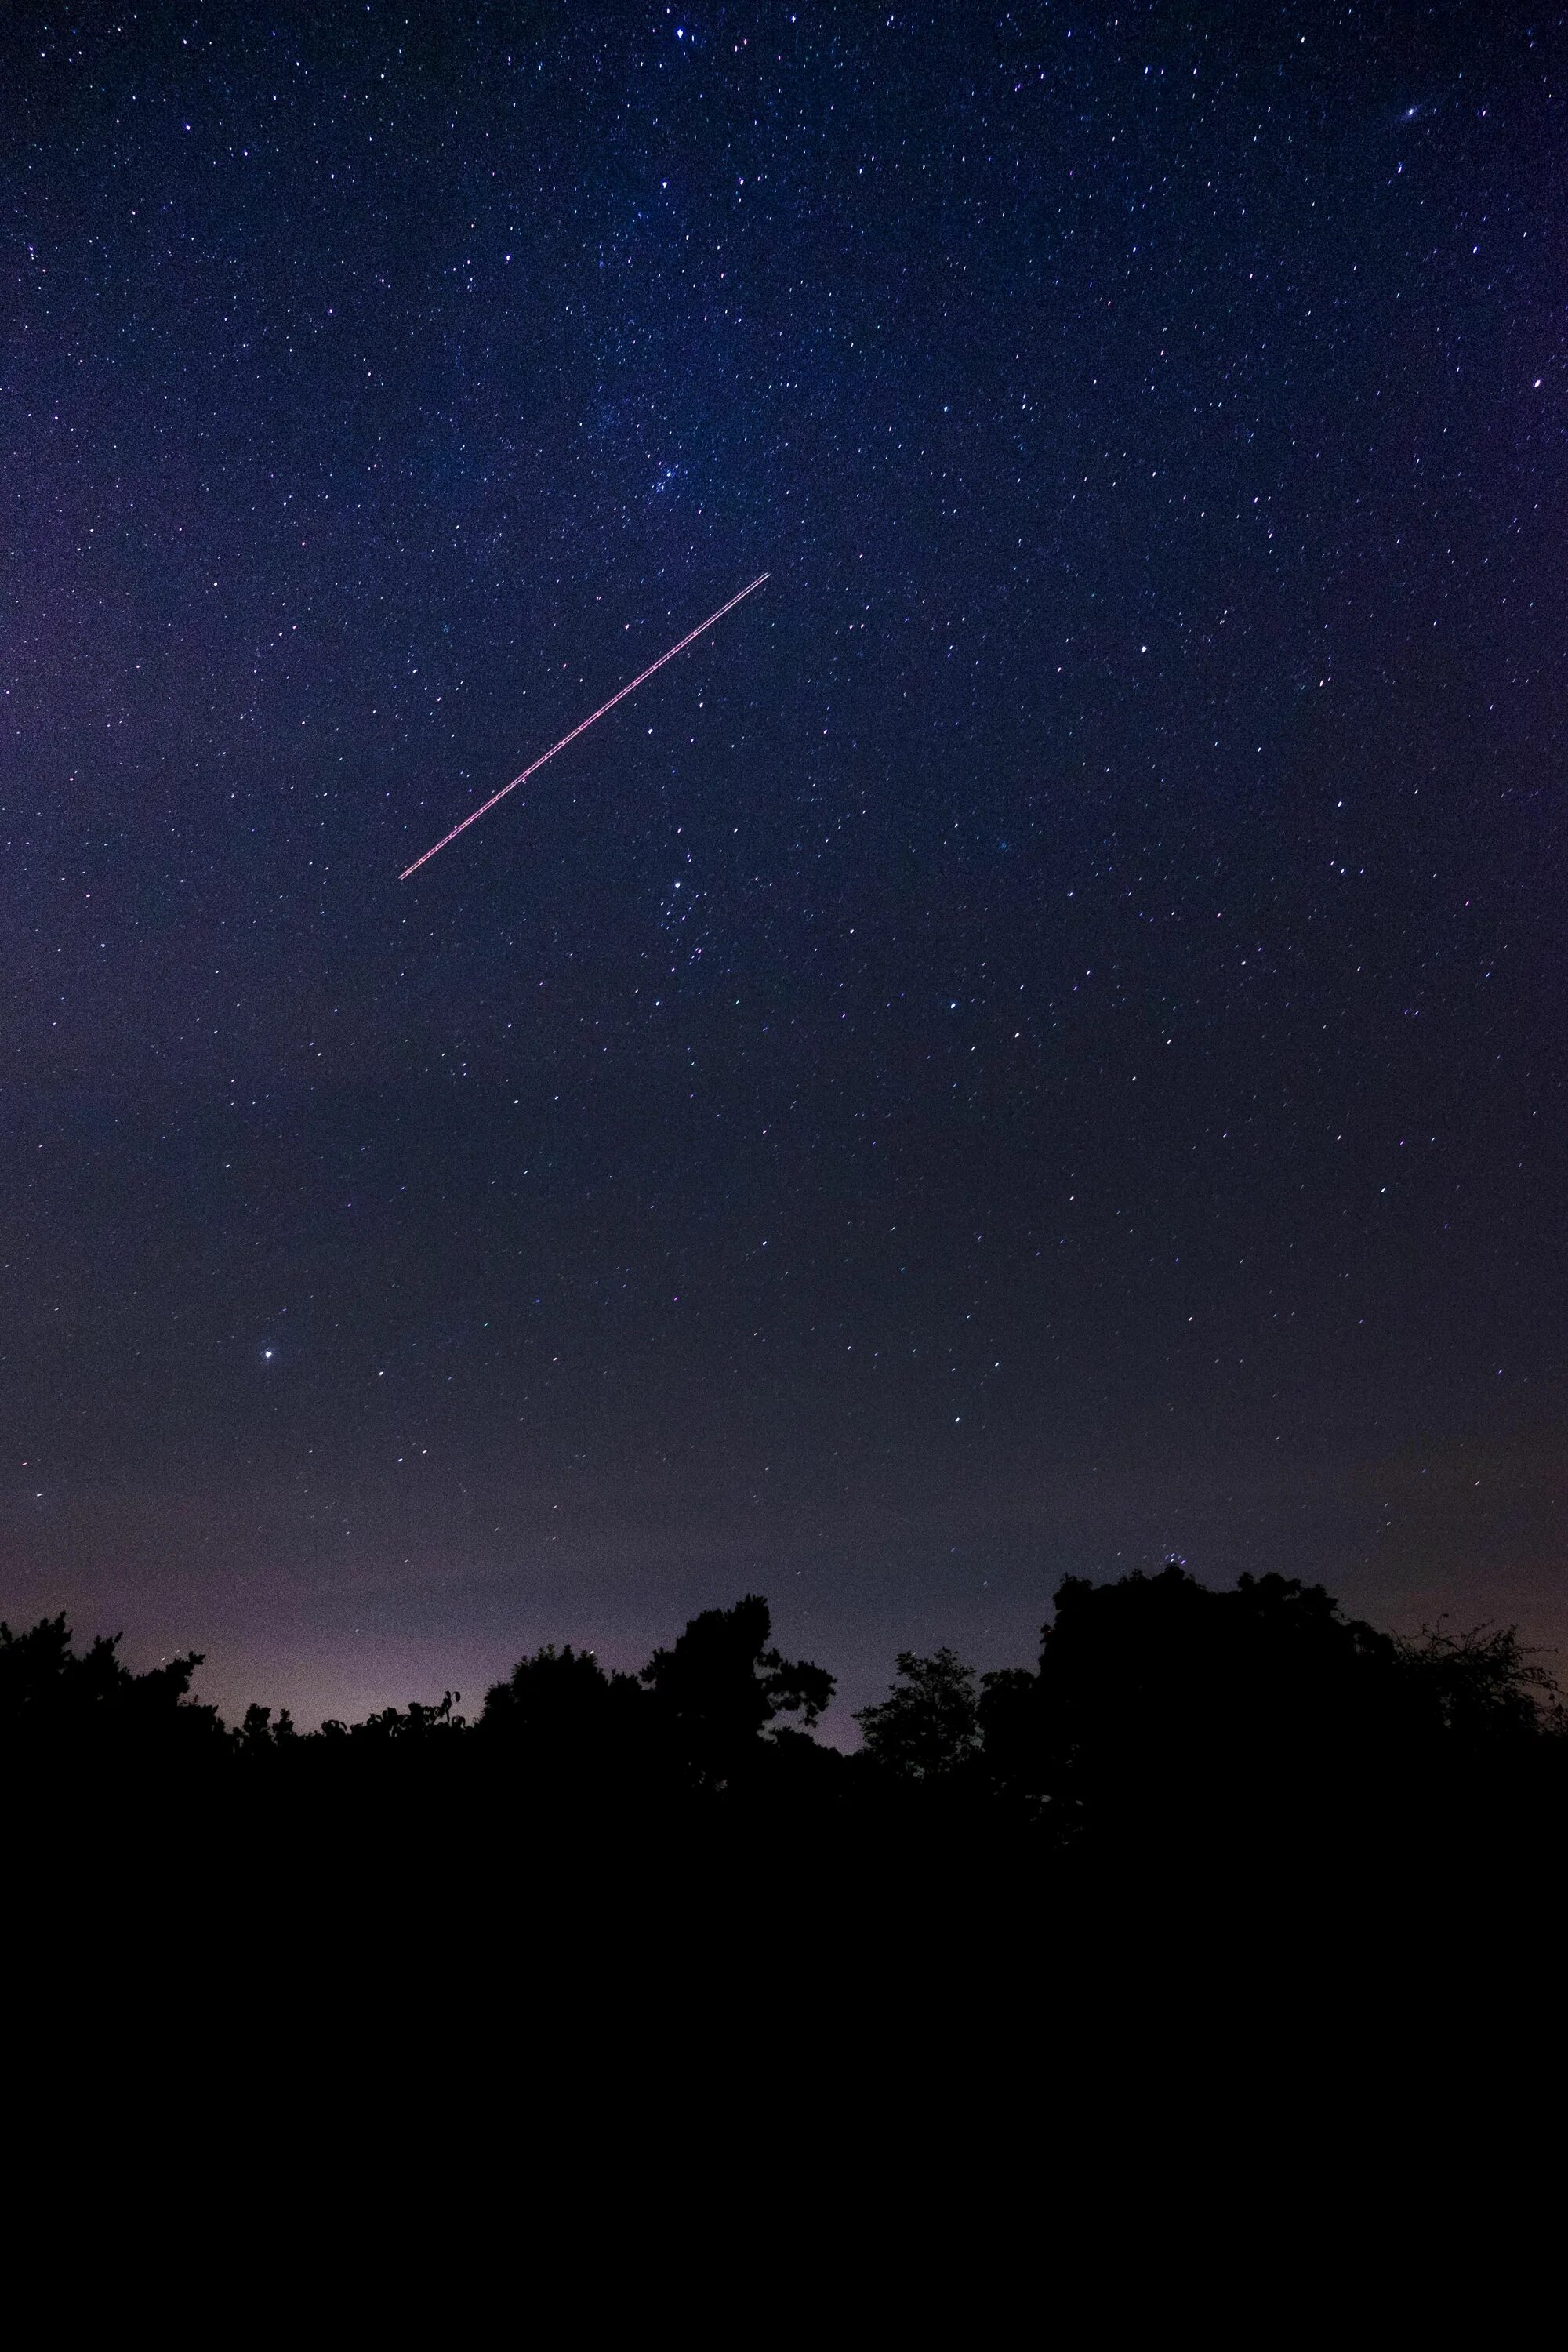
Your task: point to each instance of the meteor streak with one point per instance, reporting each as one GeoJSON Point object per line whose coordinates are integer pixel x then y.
{"type": "Point", "coordinates": [583, 725]}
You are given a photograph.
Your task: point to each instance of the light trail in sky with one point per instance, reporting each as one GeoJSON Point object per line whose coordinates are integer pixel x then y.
{"type": "Point", "coordinates": [583, 725]}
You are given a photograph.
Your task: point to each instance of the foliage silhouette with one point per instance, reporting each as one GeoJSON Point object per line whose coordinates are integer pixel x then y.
{"type": "Point", "coordinates": [1484, 1686]}
{"type": "Point", "coordinates": [1166, 1725]}
{"type": "Point", "coordinates": [257, 1733]}
{"type": "Point", "coordinates": [1261, 1725]}
{"type": "Point", "coordinates": [1165, 1709]}
{"type": "Point", "coordinates": [417, 1722]}
{"type": "Point", "coordinates": [718, 1686]}
{"type": "Point", "coordinates": [87, 1707]}
{"type": "Point", "coordinates": [928, 1727]}
{"type": "Point", "coordinates": [561, 1724]}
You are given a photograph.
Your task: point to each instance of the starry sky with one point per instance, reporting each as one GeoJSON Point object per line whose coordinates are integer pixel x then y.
{"type": "Point", "coordinates": [1035, 1045]}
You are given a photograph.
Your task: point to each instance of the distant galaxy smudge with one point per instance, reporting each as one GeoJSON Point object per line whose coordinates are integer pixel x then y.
{"type": "Point", "coordinates": [583, 725]}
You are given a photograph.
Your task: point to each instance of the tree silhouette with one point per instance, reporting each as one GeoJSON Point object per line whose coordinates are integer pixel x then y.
{"type": "Point", "coordinates": [258, 1734]}
{"type": "Point", "coordinates": [553, 1696]}
{"type": "Point", "coordinates": [90, 1707]}
{"type": "Point", "coordinates": [1485, 1688]}
{"type": "Point", "coordinates": [718, 1686]}
{"type": "Point", "coordinates": [561, 1720]}
{"type": "Point", "coordinates": [1185, 1736]}
{"type": "Point", "coordinates": [1165, 1710]}
{"type": "Point", "coordinates": [928, 1727]}
{"type": "Point", "coordinates": [416, 1725]}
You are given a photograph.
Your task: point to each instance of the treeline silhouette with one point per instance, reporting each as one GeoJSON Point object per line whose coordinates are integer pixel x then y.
{"type": "Point", "coordinates": [1166, 1728]}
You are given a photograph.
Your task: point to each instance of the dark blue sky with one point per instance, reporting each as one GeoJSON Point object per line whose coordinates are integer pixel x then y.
{"type": "Point", "coordinates": [1037, 1044]}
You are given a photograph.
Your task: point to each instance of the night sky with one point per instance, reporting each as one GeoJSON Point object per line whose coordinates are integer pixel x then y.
{"type": "Point", "coordinates": [1036, 1045]}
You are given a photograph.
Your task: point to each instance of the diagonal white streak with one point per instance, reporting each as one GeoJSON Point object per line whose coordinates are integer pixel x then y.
{"type": "Point", "coordinates": [583, 725]}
